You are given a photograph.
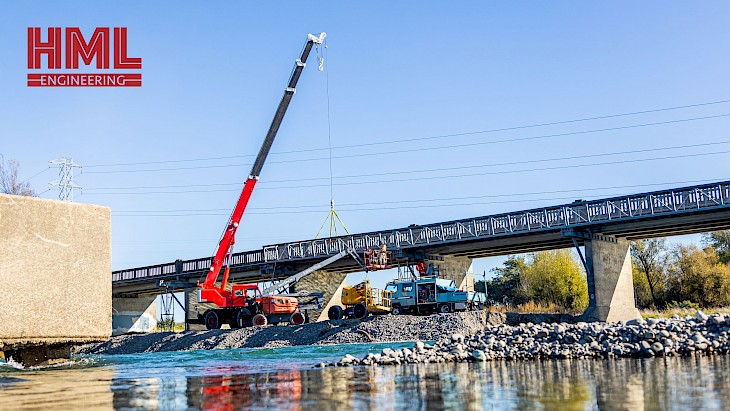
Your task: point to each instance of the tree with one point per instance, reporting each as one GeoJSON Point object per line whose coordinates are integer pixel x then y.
{"type": "Point", "coordinates": [505, 286]}
{"type": "Point", "coordinates": [720, 241]}
{"type": "Point", "coordinates": [9, 181]}
{"type": "Point", "coordinates": [698, 276]}
{"type": "Point", "coordinates": [646, 256]}
{"type": "Point", "coordinates": [555, 277]}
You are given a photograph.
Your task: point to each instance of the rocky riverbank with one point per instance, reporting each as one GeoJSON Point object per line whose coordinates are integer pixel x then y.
{"type": "Point", "coordinates": [674, 336]}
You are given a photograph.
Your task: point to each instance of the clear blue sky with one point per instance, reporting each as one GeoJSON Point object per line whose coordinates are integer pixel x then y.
{"type": "Point", "coordinates": [214, 72]}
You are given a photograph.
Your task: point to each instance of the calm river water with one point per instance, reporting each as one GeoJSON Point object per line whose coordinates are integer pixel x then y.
{"type": "Point", "coordinates": [283, 378]}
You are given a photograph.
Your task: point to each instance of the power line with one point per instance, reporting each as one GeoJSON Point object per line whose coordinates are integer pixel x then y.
{"type": "Point", "coordinates": [615, 162]}
{"type": "Point", "coordinates": [419, 201]}
{"type": "Point", "coordinates": [437, 169]}
{"type": "Point", "coordinates": [375, 208]}
{"type": "Point", "coordinates": [412, 150]}
{"type": "Point", "coordinates": [36, 175]}
{"type": "Point", "coordinates": [423, 138]}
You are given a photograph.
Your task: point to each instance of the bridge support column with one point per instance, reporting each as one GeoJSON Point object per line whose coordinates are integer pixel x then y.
{"type": "Point", "coordinates": [460, 270]}
{"type": "Point", "coordinates": [330, 283]}
{"type": "Point", "coordinates": [610, 280]}
{"type": "Point", "coordinates": [194, 308]}
{"type": "Point", "coordinates": [134, 314]}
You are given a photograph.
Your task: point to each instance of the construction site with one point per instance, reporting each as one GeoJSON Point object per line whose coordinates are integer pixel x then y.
{"type": "Point", "coordinates": [273, 211]}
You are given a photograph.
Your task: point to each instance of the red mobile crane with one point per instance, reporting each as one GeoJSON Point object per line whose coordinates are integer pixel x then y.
{"type": "Point", "coordinates": [244, 304]}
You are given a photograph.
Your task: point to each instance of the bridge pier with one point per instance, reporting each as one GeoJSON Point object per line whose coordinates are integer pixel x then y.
{"type": "Point", "coordinates": [460, 270]}
{"type": "Point", "coordinates": [610, 280]}
{"type": "Point", "coordinates": [330, 283]}
{"type": "Point", "coordinates": [194, 308]}
{"type": "Point", "coordinates": [134, 314]}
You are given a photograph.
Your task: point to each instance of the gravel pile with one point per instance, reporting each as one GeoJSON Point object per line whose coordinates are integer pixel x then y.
{"type": "Point", "coordinates": [386, 328]}
{"type": "Point", "coordinates": [676, 336]}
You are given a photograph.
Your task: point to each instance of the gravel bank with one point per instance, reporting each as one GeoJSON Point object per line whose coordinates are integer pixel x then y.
{"type": "Point", "coordinates": [387, 328]}
{"type": "Point", "coordinates": [701, 334]}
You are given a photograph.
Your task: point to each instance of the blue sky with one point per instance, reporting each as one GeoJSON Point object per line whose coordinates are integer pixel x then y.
{"type": "Point", "coordinates": [213, 73]}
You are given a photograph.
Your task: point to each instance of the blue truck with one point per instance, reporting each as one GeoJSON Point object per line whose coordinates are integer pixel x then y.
{"type": "Point", "coordinates": [426, 296]}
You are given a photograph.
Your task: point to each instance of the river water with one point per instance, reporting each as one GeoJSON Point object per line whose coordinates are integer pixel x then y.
{"type": "Point", "coordinates": [284, 378]}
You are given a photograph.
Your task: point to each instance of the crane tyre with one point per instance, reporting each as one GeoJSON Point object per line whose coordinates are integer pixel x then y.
{"type": "Point", "coordinates": [335, 312]}
{"type": "Point", "coordinates": [445, 308]}
{"type": "Point", "coordinates": [260, 319]}
{"type": "Point", "coordinates": [297, 318]}
{"type": "Point", "coordinates": [397, 310]}
{"type": "Point", "coordinates": [212, 320]}
{"type": "Point", "coordinates": [360, 311]}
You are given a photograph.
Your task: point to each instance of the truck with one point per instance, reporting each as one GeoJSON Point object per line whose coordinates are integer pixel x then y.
{"type": "Point", "coordinates": [425, 293]}
{"type": "Point", "coordinates": [244, 304]}
{"type": "Point", "coordinates": [359, 301]}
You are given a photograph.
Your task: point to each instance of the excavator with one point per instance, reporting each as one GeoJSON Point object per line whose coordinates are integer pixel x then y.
{"type": "Point", "coordinates": [244, 304]}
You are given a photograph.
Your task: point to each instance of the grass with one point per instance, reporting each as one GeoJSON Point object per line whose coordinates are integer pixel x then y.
{"type": "Point", "coordinates": [653, 313]}
{"type": "Point", "coordinates": [532, 307]}
{"type": "Point", "coordinates": [177, 327]}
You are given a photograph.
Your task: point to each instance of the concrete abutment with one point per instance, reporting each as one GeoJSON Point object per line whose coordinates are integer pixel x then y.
{"type": "Point", "coordinates": [55, 265]}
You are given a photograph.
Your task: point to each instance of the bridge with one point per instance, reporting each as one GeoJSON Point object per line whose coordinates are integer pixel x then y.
{"type": "Point", "coordinates": [603, 226]}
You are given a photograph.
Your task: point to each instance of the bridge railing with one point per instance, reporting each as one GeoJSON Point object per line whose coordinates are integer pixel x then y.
{"type": "Point", "coordinates": [574, 214]}
{"type": "Point", "coordinates": [201, 265]}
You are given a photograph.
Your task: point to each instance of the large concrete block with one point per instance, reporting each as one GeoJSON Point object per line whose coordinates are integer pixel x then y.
{"type": "Point", "coordinates": [55, 272]}
{"type": "Point", "coordinates": [611, 288]}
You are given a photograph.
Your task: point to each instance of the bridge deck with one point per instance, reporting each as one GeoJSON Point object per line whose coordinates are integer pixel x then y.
{"type": "Point", "coordinates": [677, 211]}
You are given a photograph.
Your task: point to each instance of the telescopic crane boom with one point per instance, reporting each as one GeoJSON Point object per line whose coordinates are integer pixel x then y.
{"type": "Point", "coordinates": [209, 291]}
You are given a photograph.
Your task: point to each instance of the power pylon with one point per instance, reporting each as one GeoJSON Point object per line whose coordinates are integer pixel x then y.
{"type": "Point", "coordinates": [65, 183]}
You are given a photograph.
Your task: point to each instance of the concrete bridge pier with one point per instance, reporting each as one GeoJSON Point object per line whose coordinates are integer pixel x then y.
{"type": "Point", "coordinates": [458, 269]}
{"type": "Point", "coordinates": [134, 314]}
{"type": "Point", "coordinates": [331, 283]}
{"type": "Point", "coordinates": [610, 280]}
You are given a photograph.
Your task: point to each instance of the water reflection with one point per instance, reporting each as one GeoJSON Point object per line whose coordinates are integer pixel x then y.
{"type": "Point", "coordinates": [698, 383]}
{"type": "Point", "coordinates": [690, 383]}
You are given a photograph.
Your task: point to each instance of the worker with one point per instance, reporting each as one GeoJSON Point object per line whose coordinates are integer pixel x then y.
{"type": "Point", "coordinates": [383, 257]}
{"type": "Point", "coordinates": [421, 268]}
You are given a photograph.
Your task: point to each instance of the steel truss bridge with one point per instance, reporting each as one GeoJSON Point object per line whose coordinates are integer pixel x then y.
{"type": "Point", "coordinates": [685, 210]}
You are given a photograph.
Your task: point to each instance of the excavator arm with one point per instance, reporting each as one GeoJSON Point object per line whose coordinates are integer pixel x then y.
{"type": "Point", "coordinates": [219, 295]}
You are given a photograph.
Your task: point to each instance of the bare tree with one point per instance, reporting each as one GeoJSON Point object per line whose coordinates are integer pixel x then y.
{"type": "Point", "coordinates": [9, 181]}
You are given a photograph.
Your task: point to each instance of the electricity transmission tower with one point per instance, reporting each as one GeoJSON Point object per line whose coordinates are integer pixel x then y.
{"type": "Point", "coordinates": [65, 184]}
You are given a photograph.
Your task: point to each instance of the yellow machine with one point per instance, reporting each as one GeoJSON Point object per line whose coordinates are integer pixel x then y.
{"type": "Point", "coordinates": [359, 301]}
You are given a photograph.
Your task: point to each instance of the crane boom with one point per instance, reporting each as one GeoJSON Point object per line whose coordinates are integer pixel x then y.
{"type": "Point", "coordinates": [218, 294]}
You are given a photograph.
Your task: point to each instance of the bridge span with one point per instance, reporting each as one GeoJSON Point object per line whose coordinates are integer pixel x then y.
{"type": "Point", "coordinates": [603, 226]}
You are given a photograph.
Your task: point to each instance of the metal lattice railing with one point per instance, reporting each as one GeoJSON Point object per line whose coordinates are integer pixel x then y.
{"type": "Point", "coordinates": [581, 213]}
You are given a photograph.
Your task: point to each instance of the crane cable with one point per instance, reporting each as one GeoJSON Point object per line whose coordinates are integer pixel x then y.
{"type": "Point", "coordinates": [332, 214]}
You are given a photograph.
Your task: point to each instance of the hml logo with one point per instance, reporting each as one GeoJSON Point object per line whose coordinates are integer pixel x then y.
{"type": "Point", "coordinates": [77, 48]}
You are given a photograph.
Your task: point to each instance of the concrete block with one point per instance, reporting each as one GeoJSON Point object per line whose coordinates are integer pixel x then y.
{"type": "Point", "coordinates": [55, 272]}
{"type": "Point", "coordinates": [611, 293]}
